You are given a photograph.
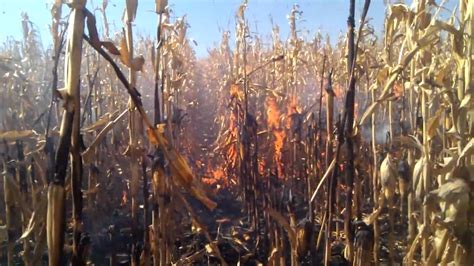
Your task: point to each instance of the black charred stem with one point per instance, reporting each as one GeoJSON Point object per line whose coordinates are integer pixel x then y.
{"type": "Point", "coordinates": [146, 215]}
{"type": "Point", "coordinates": [49, 146]}
{"type": "Point", "coordinates": [61, 164]}
{"type": "Point", "coordinates": [88, 102]}
{"type": "Point", "coordinates": [156, 100]}
{"type": "Point", "coordinates": [331, 195]}
{"type": "Point", "coordinates": [319, 141]}
{"type": "Point", "coordinates": [157, 157]}
{"type": "Point", "coordinates": [21, 168]}
{"type": "Point", "coordinates": [349, 121]}
{"type": "Point", "coordinates": [62, 153]}
{"type": "Point", "coordinates": [349, 107]}
{"type": "Point", "coordinates": [76, 181]}
{"type": "Point", "coordinates": [22, 175]}
{"type": "Point", "coordinates": [132, 91]}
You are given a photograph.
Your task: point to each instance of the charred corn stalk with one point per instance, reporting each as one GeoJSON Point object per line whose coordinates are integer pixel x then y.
{"type": "Point", "coordinates": [350, 101]}
{"type": "Point", "coordinates": [158, 173]}
{"type": "Point", "coordinates": [329, 153]}
{"type": "Point", "coordinates": [56, 192]}
{"type": "Point", "coordinates": [22, 176]}
{"type": "Point", "coordinates": [9, 210]}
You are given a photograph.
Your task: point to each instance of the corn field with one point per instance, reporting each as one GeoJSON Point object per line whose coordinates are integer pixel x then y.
{"type": "Point", "coordinates": [118, 148]}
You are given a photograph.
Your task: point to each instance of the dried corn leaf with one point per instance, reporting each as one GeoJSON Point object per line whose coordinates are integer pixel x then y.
{"type": "Point", "coordinates": [284, 224]}
{"type": "Point", "coordinates": [180, 169]}
{"type": "Point", "coordinates": [88, 154]}
{"type": "Point", "coordinates": [38, 218]}
{"type": "Point", "coordinates": [466, 151]}
{"type": "Point", "coordinates": [131, 10]}
{"type": "Point", "coordinates": [16, 135]}
{"type": "Point", "coordinates": [323, 179]}
{"type": "Point", "coordinates": [433, 123]}
{"type": "Point", "coordinates": [160, 6]}
{"type": "Point", "coordinates": [467, 102]}
{"type": "Point", "coordinates": [124, 55]}
{"type": "Point", "coordinates": [451, 190]}
{"type": "Point", "coordinates": [418, 185]}
{"type": "Point", "coordinates": [446, 168]}
{"type": "Point", "coordinates": [137, 63]}
{"type": "Point", "coordinates": [14, 189]}
{"type": "Point", "coordinates": [103, 120]}
{"type": "Point", "coordinates": [410, 141]}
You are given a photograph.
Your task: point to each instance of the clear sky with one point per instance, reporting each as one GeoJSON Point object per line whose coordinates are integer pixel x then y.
{"type": "Point", "coordinates": [207, 18]}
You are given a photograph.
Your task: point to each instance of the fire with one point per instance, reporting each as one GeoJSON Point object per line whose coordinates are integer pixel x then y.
{"type": "Point", "coordinates": [236, 92]}
{"type": "Point", "coordinates": [232, 153]}
{"type": "Point", "coordinates": [216, 176]}
{"type": "Point", "coordinates": [124, 198]}
{"type": "Point", "coordinates": [261, 166]}
{"type": "Point", "coordinates": [280, 136]}
{"type": "Point", "coordinates": [273, 113]}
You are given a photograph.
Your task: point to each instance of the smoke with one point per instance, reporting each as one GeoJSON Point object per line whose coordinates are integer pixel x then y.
{"type": "Point", "coordinates": [381, 130]}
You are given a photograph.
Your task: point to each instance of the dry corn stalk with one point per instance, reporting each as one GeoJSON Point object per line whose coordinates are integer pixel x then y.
{"type": "Point", "coordinates": [56, 193]}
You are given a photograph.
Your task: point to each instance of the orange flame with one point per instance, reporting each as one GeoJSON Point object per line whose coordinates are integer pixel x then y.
{"type": "Point", "coordinates": [216, 176]}
{"type": "Point", "coordinates": [273, 113]}
{"type": "Point", "coordinates": [124, 198]}
{"type": "Point", "coordinates": [236, 92]}
{"type": "Point", "coordinates": [232, 153]}
{"type": "Point", "coordinates": [280, 136]}
{"type": "Point", "coordinates": [292, 108]}
{"type": "Point", "coordinates": [261, 166]}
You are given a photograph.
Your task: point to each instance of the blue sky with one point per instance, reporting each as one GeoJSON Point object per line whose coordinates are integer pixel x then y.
{"type": "Point", "coordinates": [207, 18]}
